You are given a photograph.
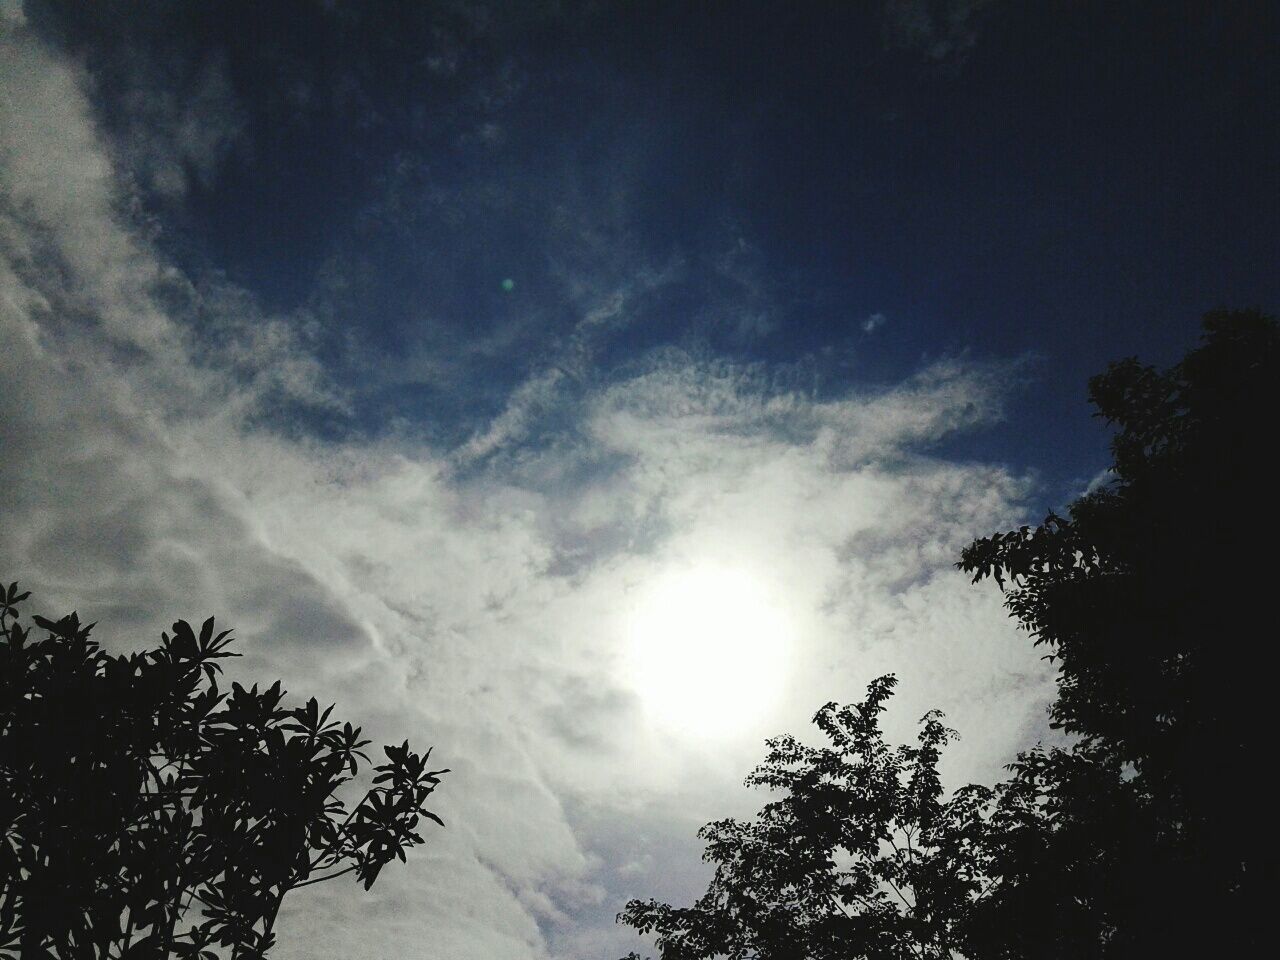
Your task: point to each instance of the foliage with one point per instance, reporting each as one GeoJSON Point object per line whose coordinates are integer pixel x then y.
{"type": "Point", "coordinates": [1152, 597]}
{"type": "Point", "coordinates": [860, 857]}
{"type": "Point", "coordinates": [1151, 835]}
{"type": "Point", "coordinates": [133, 789]}
{"type": "Point", "coordinates": [1131, 591]}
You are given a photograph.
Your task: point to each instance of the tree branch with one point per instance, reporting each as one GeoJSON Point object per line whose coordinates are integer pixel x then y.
{"type": "Point", "coordinates": [307, 883]}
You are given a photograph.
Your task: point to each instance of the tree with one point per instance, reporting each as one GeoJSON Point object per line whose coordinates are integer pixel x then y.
{"type": "Point", "coordinates": [149, 814]}
{"type": "Point", "coordinates": [860, 857]}
{"type": "Point", "coordinates": [1152, 833]}
{"type": "Point", "coordinates": [1153, 597]}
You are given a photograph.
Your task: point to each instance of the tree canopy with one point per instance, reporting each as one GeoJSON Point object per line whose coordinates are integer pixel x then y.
{"type": "Point", "coordinates": [1150, 595]}
{"type": "Point", "coordinates": [1150, 835]}
{"type": "Point", "coordinates": [859, 857]}
{"type": "Point", "coordinates": [149, 814]}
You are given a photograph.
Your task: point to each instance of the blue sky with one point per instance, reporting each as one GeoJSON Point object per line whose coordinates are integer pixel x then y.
{"type": "Point", "coordinates": [1071, 185]}
{"type": "Point", "coordinates": [428, 344]}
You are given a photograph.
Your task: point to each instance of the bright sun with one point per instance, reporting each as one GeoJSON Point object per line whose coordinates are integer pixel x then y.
{"type": "Point", "coordinates": [707, 650]}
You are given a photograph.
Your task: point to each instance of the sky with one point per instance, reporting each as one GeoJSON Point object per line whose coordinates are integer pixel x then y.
{"type": "Point", "coordinates": [592, 390]}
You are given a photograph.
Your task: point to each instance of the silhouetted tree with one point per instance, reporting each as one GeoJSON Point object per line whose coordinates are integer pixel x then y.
{"type": "Point", "coordinates": [1154, 597]}
{"type": "Point", "coordinates": [860, 857]}
{"type": "Point", "coordinates": [148, 814]}
{"type": "Point", "coordinates": [1152, 834]}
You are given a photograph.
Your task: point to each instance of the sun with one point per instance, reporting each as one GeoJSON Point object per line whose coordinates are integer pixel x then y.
{"type": "Point", "coordinates": [707, 650]}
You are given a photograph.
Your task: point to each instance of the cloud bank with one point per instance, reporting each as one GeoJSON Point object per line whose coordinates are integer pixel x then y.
{"type": "Point", "coordinates": [157, 463]}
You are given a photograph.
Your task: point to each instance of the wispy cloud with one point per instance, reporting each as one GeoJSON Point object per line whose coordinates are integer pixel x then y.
{"type": "Point", "coordinates": [474, 596]}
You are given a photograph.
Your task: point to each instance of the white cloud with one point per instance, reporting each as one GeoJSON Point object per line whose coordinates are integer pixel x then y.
{"type": "Point", "coordinates": [874, 322]}
{"type": "Point", "coordinates": [479, 610]}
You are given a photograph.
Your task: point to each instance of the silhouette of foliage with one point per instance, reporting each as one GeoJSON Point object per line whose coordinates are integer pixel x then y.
{"type": "Point", "coordinates": [149, 814]}
{"type": "Point", "coordinates": [1151, 596]}
{"type": "Point", "coordinates": [1151, 834]}
{"type": "Point", "coordinates": [860, 857]}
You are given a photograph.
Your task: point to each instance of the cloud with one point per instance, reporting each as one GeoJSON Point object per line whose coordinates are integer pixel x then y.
{"type": "Point", "coordinates": [158, 464]}
{"type": "Point", "coordinates": [178, 128]}
{"type": "Point", "coordinates": [874, 322]}
{"type": "Point", "coordinates": [938, 29]}
{"type": "Point", "coordinates": [543, 392]}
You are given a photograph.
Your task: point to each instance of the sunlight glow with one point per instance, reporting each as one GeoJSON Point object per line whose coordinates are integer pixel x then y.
{"type": "Point", "coordinates": [707, 650]}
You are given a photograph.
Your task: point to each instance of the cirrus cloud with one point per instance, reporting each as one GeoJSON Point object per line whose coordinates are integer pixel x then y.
{"type": "Point", "coordinates": [158, 463]}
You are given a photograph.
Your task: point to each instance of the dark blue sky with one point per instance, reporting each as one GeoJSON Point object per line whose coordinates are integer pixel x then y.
{"type": "Point", "coordinates": [1072, 182]}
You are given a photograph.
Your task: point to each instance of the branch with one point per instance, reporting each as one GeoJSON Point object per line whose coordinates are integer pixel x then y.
{"type": "Point", "coordinates": [908, 904]}
{"type": "Point", "coordinates": [307, 883]}
{"type": "Point", "coordinates": [987, 887]}
{"type": "Point", "coordinates": [907, 834]}
{"type": "Point", "coordinates": [354, 810]}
